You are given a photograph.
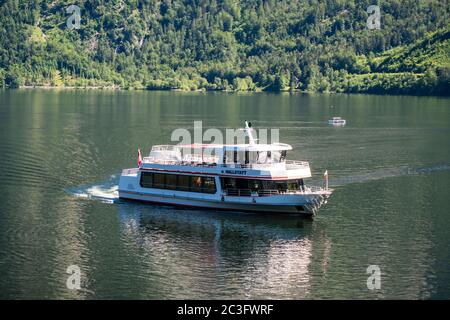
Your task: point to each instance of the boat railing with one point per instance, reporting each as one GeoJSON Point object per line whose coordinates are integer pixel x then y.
{"type": "Point", "coordinates": [257, 193]}
{"type": "Point", "coordinates": [288, 164]}
{"type": "Point", "coordinates": [164, 147]}
{"type": "Point", "coordinates": [270, 192]}
{"type": "Point", "coordinates": [198, 160]}
{"type": "Point", "coordinates": [316, 189]}
{"type": "Point", "coordinates": [130, 172]}
{"type": "Point", "coordinates": [152, 159]}
{"type": "Point", "coordinates": [294, 164]}
{"type": "Point", "coordinates": [251, 165]}
{"type": "Point", "coordinates": [239, 192]}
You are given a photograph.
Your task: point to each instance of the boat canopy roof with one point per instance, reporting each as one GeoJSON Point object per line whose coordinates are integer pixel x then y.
{"type": "Point", "coordinates": [228, 147]}
{"type": "Point", "coordinates": [252, 146]}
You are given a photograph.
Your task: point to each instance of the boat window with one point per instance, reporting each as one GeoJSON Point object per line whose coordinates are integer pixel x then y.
{"type": "Point", "coordinates": [178, 182]}
{"type": "Point", "coordinates": [258, 185]}
{"type": "Point", "coordinates": [276, 156]}
{"type": "Point", "coordinates": [268, 156]}
{"type": "Point", "coordinates": [255, 185]}
{"type": "Point", "coordinates": [146, 179]}
{"type": "Point", "coordinates": [228, 183]}
{"type": "Point", "coordinates": [269, 185]}
{"type": "Point", "coordinates": [242, 183]}
{"type": "Point", "coordinates": [183, 183]}
{"type": "Point", "coordinates": [283, 155]}
{"type": "Point", "coordinates": [209, 185]}
{"type": "Point", "coordinates": [196, 183]}
{"type": "Point", "coordinates": [292, 185]}
{"type": "Point", "coordinates": [262, 157]}
{"type": "Point", "coordinates": [229, 155]}
{"type": "Point", "coordinates": [158, 180]}
{"type": "Point", "coordinates": [253, 157]}
{"type": "Point", "coordinates": [301, 184]}
{"type": "Point", "coordinates": [171, 181]}
{"type": "Point", "coordinates": [281, 186]}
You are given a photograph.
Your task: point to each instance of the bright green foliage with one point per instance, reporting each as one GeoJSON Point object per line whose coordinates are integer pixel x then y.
{"type": "Point", "coordinates": [232, 45]}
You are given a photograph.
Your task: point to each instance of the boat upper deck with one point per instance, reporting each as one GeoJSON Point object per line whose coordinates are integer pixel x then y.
{"type": "Point", "coordinates": [261, 163]}
{"type": "Point", "coordinates": [208, 162]}
{"type": "Point", "coordinates": [267, 156]}
{"type": "Point", "coordinates": [251, 159]}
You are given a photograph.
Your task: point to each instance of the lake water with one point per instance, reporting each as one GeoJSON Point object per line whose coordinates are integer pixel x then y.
{"type": "Point", "coordinates": [61, 154]}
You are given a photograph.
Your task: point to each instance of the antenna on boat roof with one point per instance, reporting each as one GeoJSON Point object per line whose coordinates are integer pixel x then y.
{"type": "Point", "coordinates": [248, 130]}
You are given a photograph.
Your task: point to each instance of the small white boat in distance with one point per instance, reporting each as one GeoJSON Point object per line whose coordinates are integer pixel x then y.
{"type": "Point", "coordinates": [337, 121]}
{"type": "Point", "coordinates": [240, 177]}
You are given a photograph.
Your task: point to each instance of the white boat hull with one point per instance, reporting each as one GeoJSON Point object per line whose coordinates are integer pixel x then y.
{"type": "Point", "coordinates": [299, 203]}
{"type": "Point", "coordinates": [337, 122]}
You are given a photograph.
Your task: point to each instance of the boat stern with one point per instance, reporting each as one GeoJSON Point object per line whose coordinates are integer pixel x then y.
{"type": "Point", "coordinates": [129, 181]}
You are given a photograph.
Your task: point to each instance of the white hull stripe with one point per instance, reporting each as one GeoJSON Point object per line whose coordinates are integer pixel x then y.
{"type": "Point", "coordinates": [215, 205]}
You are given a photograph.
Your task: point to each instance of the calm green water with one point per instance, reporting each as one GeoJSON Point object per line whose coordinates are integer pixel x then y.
{"type": "Point", "coordinates": [61, 153]}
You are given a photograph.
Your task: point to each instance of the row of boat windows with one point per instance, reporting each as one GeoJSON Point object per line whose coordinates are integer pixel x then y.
{"type": "Point", "coordinates": [257, 185]}
{"type": "Point", "coordinates": [193, 183]}
{"type": "Point", "coordinates": [178, 182]}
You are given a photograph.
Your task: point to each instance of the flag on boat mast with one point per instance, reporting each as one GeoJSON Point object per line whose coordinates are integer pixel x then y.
{"type": "Point", "coordinates": [139, 158]}
{"type": "Point", "coordinates": [325, 175]}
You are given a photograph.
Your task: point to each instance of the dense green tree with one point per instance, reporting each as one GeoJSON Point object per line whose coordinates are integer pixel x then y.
{"type": "Point", "coordinates": [228, 45]}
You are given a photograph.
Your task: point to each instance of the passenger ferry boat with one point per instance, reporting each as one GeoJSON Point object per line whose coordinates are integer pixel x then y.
{"type": "Point", "coordinates": [337, 121]}
{"type": "Point", "coordinates": [241, 177]}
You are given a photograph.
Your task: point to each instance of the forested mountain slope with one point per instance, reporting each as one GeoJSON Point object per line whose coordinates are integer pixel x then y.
{"type": "Point", "coordinates": [228, 45]}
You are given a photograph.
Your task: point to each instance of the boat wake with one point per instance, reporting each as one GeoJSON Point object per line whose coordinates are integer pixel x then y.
{"type": "Point", "coordinates": [384, 173]}
{"type": "Point", "coordinates": [107, 192]}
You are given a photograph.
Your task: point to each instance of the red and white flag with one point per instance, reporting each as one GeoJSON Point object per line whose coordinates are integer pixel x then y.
{"type": "Point", "coordinates": [139, 158]}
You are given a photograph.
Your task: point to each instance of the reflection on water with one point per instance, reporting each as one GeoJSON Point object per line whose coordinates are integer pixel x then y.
{"type": "Point", "coordinates": [263, 256]}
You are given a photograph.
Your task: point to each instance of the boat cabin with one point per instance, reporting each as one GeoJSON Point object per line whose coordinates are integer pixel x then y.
{"type": "Point", "coordinates": [245, 155]}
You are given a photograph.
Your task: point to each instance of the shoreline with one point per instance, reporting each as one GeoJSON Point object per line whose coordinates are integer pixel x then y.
{"type": "Point", "coordinates": [118, 88]}
{"type": "Point", "coordinates": [72, 87]}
